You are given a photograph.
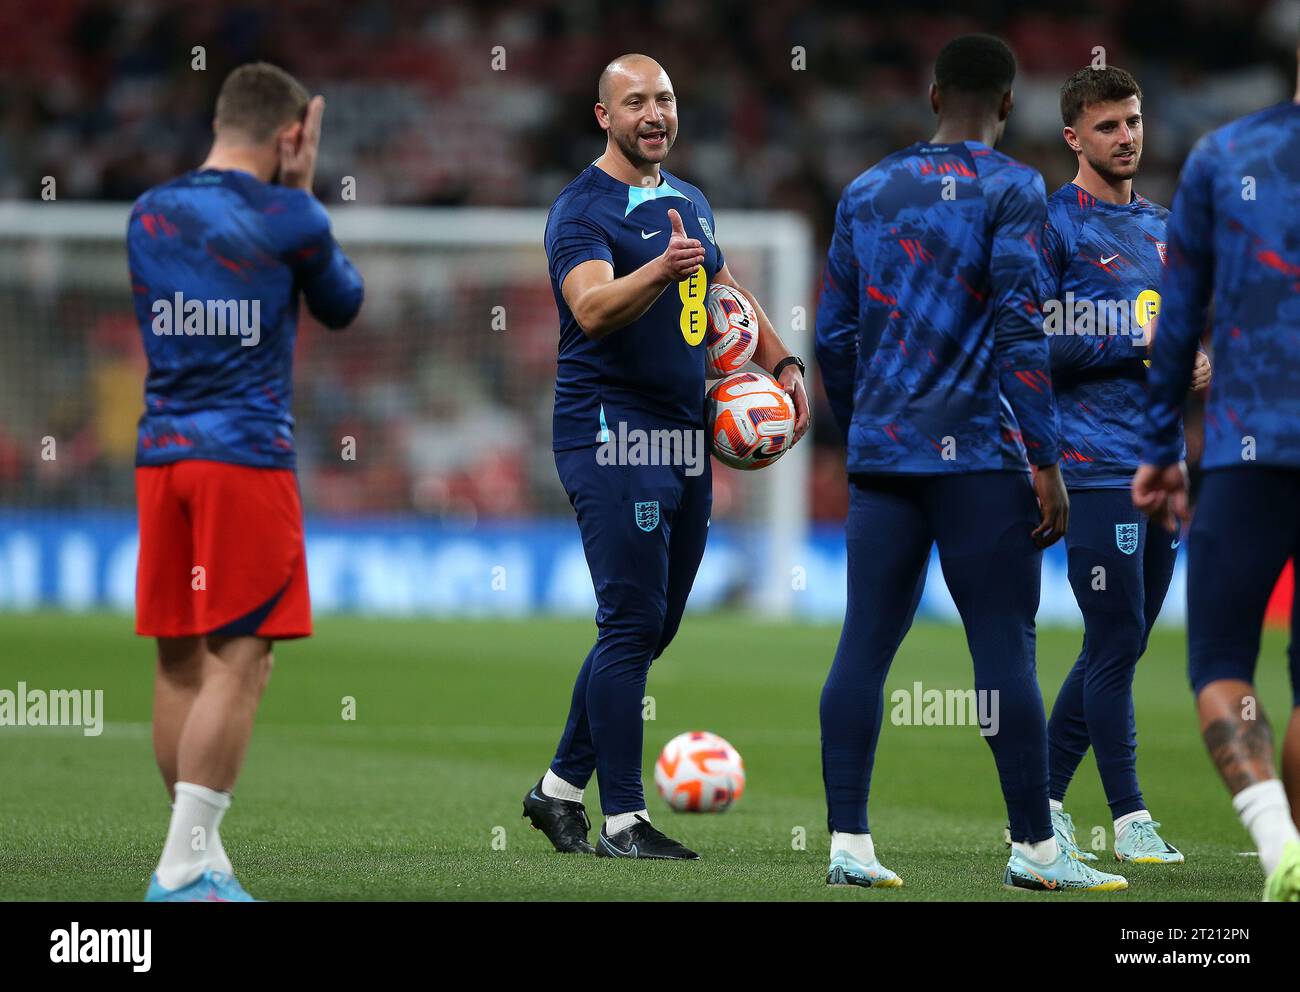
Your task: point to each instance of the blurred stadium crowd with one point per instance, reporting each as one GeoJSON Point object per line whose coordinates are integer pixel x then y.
{"type": "Point", "coordinates": [782, 103]}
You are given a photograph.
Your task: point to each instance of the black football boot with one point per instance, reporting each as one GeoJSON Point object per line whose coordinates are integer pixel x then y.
{"type": "Point", "coordinates": [563, 821]}
{"type": "Point", "coordinates": [641, 840]}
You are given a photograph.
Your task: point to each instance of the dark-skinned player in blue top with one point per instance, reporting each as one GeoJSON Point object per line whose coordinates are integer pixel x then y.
{"type": "Point", "coordinates": [220, 260]}
{"type": "Point", "coordinates": [931, 346]}
{"type": "Point", "coordinates": [632, 250]}
{"type": "Point", "coordinates": [1103, 254]}
{"type": "Point", "coordinates": [1234, 240]}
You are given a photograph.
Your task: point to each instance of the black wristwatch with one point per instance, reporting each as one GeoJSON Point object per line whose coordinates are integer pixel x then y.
{"type": "Point", "coordinates": [789, 360]}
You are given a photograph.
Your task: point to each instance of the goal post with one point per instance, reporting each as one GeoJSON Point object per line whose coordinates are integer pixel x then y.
{"type": "Point", "coordinates": [445, 384]}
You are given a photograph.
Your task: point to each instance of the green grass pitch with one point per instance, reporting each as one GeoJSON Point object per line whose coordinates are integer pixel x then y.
{"type": "Point", "coordinates": [419, 796]}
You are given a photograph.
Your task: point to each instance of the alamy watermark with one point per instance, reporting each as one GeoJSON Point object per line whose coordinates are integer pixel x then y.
{"type": "Point", "coordinates": [102, 946]}
{"type": "Point", "coordinates": [53, 708]}
{"type": "Point", "coordinates": [208, 318]}
{"type": "Point", "coordinates": [921, 707]}
{"type": "Point", "coordinates": [1102, 318]}
{"type": "Point", "coordinates": [659, 446]}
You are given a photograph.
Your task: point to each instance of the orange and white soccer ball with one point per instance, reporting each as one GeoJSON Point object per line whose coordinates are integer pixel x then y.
{"type": "Point", "coordinates": [750, 419]}
{"type": "Point", "coordinates": [699, 772]}
{"type": "Point", "coordinates": [732, 332]}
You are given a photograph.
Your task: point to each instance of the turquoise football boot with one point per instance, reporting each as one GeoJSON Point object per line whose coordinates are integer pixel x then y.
{"type": "Point", "coordinates": [1063, 826]}
{"type": "Point", "coordinates": [211, 886]}
{"type": "Point", "coordinates": [848, 870]}
{"type": "Point", "coordinates": [1284, 884]}
{"type": "Point", "coordinates": [1143, 846]}
{"type": "Point", "coordinates": [1065, 872]}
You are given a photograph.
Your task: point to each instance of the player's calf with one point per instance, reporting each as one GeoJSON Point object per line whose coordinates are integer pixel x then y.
{"type": "Point", "coordinates": [220, 724]}
{"type": "Point", "coordinates": [1242, 751]}
{"type": "Point", "coordinates": [177, 682]}
{"type": "Point", "coordinates": [209, 752]}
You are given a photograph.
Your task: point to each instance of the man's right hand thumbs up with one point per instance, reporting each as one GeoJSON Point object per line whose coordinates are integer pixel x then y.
{"type": "Point", "coordinates": [683, 255]}
{"type": "Point", "coordinates": [679, 229]}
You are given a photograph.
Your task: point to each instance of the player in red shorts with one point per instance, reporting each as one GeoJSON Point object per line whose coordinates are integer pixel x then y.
{"type": "Point", "coordinates": [219, 258]}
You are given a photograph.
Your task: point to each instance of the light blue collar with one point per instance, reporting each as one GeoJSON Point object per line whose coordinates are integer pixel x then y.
{"type": "Point", "coordinates": [637, 195]}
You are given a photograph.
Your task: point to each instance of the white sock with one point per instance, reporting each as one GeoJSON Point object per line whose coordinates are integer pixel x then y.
{"type": "Point", "coordinates": [193, 839]}
{"type": "Point", "coordinates": [621, 821]}
{"type": "Point", "coordinates": [557, 788]}
{"type": "Point", "coordinates": [1121, 824]}
{"type": "Point", "coordinates": [859, 847]}
{"type": "Point", "coordinates": [1265, 812]}
{"type": "Point", "coordinates": [1043, 852]}
{"type": "Point", "coordinates": [1056, 806]}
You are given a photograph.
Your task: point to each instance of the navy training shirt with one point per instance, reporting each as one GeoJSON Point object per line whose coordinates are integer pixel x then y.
{"type": "Point", "coordinates": [650, 373]}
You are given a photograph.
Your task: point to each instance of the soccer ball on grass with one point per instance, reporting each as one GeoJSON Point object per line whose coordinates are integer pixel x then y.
{"type": "Point", "coordinates": [699, 772]}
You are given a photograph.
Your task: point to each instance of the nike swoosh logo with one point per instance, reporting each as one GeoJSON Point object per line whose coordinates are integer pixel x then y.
{"type": "Point", "coordinates": [631, 852]}
{"type": "Point", "coordinates": [647, 237]}
{"type": "Point", "coordinates": [1107, 261]}
{"type": "Point", "coordinates": [1175, 544]}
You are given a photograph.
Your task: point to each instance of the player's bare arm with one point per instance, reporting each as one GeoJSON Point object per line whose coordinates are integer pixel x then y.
{"type": "Point", "coordinates": [769, 351]}
{"type": "Point", "coordinates": [602, 304]}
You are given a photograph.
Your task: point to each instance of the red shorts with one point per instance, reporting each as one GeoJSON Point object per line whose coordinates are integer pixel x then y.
{"type": "Point", "coordinates": [221, 552]}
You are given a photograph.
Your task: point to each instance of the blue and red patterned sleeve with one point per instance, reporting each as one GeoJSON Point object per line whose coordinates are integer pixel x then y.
{"type": "Point", "coordinates": [330, 283]}
{"type": "Point", "coordinates": [838, 318]}
{"type": "Point", "coordinates": [1185, 298]}
{"type": "Point", "coordinates": [1020, 346]}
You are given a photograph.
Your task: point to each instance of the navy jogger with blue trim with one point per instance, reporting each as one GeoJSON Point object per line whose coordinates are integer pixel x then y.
{"type": "Point", "coordinates": [644, 529]}
{"type": "Point", "coordinates": [1120, 568]}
